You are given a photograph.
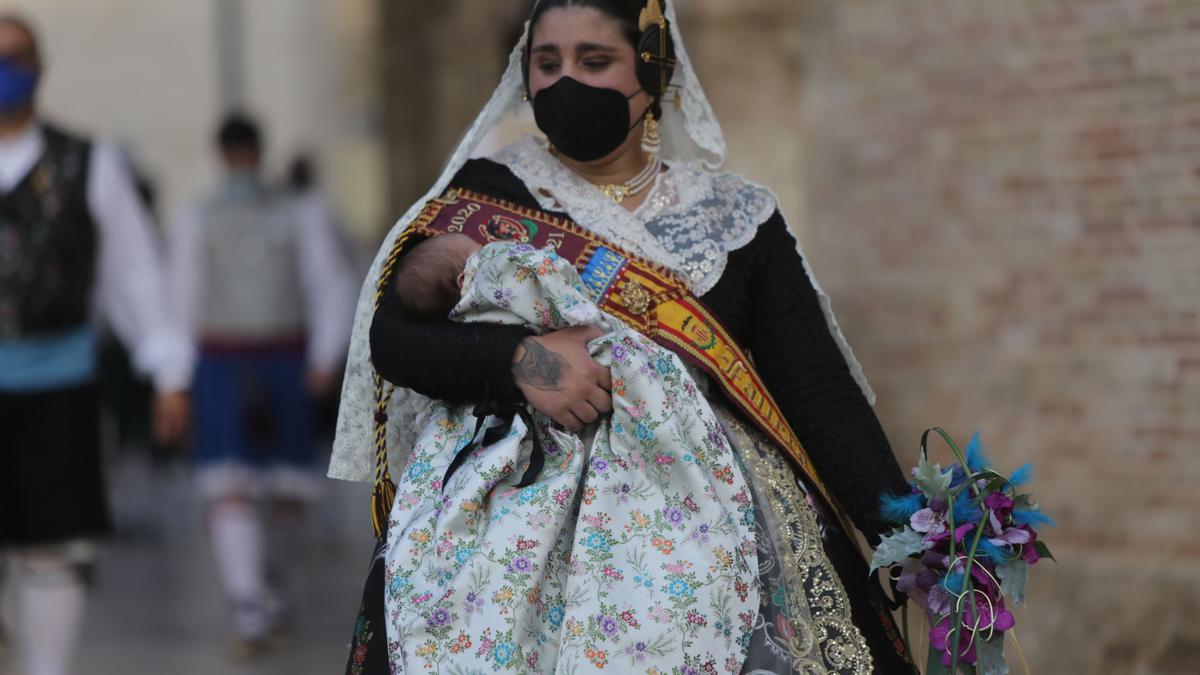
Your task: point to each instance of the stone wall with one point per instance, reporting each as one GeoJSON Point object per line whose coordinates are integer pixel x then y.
{"type": "Point", "coordinates": [748, 55]}
{"type": "Point", "coordinates": [441, 63]}
{"type": "Point", "coordinates": [1004, 203]}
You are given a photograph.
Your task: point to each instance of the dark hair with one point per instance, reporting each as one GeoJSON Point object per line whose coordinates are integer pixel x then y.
{"type": "Point", "coordinates": [238, 130]}
{"type": "Point", "coordinates": [426, 278]}
{"type": "Point", "coordinates": [652, 73]}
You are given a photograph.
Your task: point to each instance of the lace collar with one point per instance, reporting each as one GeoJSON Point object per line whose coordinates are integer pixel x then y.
{"type": "Point", "coordinates": [690, 223]}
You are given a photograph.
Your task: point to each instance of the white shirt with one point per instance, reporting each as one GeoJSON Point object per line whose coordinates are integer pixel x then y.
{"type": "Point", "coordinates": [329, 286]}
{"type": "Point", "coordinates": [129, 283]}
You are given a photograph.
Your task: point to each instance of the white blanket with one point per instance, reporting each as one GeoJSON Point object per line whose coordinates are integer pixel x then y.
{"type": "Point", "coordinates": [634, 550]}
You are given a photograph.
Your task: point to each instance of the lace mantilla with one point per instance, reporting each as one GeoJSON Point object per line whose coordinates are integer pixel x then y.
{"type": "Point", "coordinates": [691, 221]}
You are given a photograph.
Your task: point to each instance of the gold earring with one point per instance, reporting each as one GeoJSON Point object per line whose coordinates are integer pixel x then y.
{"type": "Point", "coordinates": [651, 141]}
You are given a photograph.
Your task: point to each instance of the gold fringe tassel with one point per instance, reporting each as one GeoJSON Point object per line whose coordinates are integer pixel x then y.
{"type": "Point", "coordinates": [384, 491]}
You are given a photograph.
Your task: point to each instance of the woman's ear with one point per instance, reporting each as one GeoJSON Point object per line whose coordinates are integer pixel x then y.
{"type": "Point", "coordinates": [461, 277]}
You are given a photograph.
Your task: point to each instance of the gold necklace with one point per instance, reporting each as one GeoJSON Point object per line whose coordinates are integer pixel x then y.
{"type": "Point", "coordinates": [618, 192]}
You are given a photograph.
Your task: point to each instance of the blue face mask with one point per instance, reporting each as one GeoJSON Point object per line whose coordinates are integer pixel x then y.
{"type": "Point", "coordinates": [17, 84]}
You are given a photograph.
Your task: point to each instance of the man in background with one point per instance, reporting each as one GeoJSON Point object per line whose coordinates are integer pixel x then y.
{"type": "Point", "coordinates": [259, 274]}
{"type": "Point", "coordinates": [74, 237]}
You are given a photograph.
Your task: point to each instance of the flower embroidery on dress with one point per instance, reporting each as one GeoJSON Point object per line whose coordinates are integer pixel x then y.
{"type": "Point", "coordinates": [620, 556]}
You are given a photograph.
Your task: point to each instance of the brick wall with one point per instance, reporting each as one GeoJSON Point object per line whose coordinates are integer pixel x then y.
{"type": "Point", "coordinates": [1004, 203]}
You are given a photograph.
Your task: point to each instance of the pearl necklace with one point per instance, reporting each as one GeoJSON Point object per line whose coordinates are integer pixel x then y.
{"type": "Point", "coordinates": [636, 185]}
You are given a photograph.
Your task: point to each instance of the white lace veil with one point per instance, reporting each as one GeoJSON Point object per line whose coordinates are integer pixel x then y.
{"type": "Point", "coordinates": [690, 132]}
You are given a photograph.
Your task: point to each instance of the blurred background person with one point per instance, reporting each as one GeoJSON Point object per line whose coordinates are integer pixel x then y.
{"type": "Point", "coordinates": [137, 466]}
{"type": "Point", "coordinates": [74, 235]}
{"type": "Point", "coordinates": [302, 179]}
{"type": "Point", "coordinates": [259, 275]}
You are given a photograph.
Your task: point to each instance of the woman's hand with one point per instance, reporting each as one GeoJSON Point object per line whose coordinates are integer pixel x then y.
{"type": "Point", "coordinates": [560, 379]}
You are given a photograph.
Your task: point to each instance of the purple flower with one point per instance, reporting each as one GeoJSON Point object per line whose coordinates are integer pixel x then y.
{"type": "Point", "coordinates": [674, 515]}
{"type": "Point", "coordinates": [938, 600]}
{"type": "Point", "coordinates": [998, 503]}
{"type": "Point", "coordinates": [987, 613]}
{"type": "Point", "coordinates": [984, 579]}
{"type": "Point", "coordinates": [927, 521]}
{"type": "Point", "coordinates": [939, 639]}
{"type": "Point", "coordinates": [618, 352]}
{"type": "Point", "coordinates": [608, 625]}
{"type": "Point", "coordinates": [474, 603]}
{"type": "Point", "coordinates": [1029, 552]}
{"type": "Point", "coordinates": [1013, 535]}
{"type": "Point", "coordinates": [599, 464]}
{"type": "Point", "coordinates": [440, 616]}
{"type": "Point", "coordinates": [934, 559]}
{"type": "Point", "coordinates": [520, 565]}
{"type": "Point", "coordinates": [926, 579]}
{"type": "Point", "coordinates": [960, 534]}
{"type": "Point", "coordinates": [994, 521]}
{"type": "Point", "coordinates": [1003, 619]}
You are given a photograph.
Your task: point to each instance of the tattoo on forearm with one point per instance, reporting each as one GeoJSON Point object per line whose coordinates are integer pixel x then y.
{"type": "Point", "coordinates": [539, 367]}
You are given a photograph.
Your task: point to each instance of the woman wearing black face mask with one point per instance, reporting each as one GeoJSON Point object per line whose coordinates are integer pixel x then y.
{"type": "Point", "coordinates": [627, 184]}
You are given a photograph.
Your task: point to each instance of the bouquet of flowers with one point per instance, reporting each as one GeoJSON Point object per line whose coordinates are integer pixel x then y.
{"type": "Point", "coordinates": [965, 539]}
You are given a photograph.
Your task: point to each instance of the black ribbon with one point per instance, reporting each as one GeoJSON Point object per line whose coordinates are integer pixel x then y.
{"type": "Point", "coordinates": [505, 412]}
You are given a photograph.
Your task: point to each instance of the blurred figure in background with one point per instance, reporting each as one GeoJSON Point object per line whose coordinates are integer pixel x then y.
{"type": "Point", "coordinates": [260, 277]}
{"type": "Point", "coordinates": [301, 174]}
{"type": "Point", "coordinates": [302, 180]}
{"type": "Point", "coordinates": [74, 235]}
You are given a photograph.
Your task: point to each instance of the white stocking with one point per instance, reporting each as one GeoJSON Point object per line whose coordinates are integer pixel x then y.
{"type": "Point", "coordinates": [236, 531]}
{"type": "Point", "coordinates": [51, 599]}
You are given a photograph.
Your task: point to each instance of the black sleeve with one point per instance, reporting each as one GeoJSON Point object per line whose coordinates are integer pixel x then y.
{"type": "Point", "coordinates": [443, 359]}
{"type": "Point", "coordinates": [804, 369]}
{"type": "Point", "coordinates": [455, 362]}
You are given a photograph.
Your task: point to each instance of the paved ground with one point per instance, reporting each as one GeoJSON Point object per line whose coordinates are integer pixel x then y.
{"type": "Point", "coordinates": [157, 607]}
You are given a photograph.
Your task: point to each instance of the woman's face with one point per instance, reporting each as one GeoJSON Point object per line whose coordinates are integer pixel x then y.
{"type": "Point", "coordinates": [587, 45]}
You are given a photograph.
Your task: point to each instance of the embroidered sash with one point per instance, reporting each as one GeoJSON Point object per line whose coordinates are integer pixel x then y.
{"type": "Point", "coordinates": [648, 297]}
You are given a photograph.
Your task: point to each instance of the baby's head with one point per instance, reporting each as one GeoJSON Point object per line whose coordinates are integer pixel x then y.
{"type": "Point", "coordinates": [429, 277]}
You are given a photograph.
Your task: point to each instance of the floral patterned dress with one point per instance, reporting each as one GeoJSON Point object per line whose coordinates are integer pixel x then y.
{"type": "Point", "coordinates": [634, 550]}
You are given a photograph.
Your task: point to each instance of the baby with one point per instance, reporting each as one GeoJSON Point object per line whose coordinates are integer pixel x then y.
{"type": "Point", "coordinates": [632, 529]}
{"type": "Point", "coordinates": [429, 278]}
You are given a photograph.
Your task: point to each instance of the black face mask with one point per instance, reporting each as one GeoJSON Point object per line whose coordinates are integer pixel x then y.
{"type": "Point", "coordinates": [583, 122]}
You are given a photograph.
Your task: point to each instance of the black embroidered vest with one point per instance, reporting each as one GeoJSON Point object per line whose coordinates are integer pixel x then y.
{"type": "Point", "coordinates": [48, 243]}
